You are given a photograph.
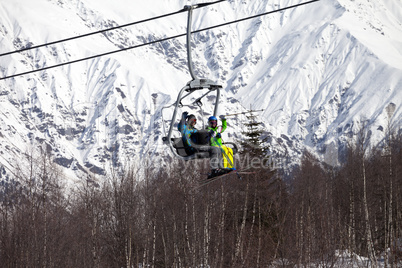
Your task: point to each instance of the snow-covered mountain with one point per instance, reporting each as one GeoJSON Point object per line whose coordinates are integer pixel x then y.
{"type": "Point", "coordinates": [319, 71]}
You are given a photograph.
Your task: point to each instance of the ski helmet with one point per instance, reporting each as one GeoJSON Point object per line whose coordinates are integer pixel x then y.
{"type": "Point", "coordinates": [211, 118]}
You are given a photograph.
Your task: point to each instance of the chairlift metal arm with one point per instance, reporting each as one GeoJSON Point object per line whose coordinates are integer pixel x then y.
{"type": "Point", "coordinates": [179, 98]}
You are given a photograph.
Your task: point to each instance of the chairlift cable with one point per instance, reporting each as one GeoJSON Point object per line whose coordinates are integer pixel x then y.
{"type": "Point", "coordinates": [156, 41]}
{"type": "Point", "coordinates": [107, 30]}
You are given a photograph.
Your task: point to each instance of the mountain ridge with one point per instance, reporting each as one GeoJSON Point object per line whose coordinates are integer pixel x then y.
{"type": "Point", "coordinates": [318, 71]}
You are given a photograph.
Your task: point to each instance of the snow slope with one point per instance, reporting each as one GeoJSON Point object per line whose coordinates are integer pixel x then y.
{"type": "Point", "coordinates": [319, 71]}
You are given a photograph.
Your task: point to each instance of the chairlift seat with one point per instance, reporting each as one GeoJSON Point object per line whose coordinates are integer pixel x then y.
{"type": "Point", "coordinates": [181, 150]}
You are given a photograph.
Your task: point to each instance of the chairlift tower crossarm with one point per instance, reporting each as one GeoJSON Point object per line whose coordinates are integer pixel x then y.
{"type": "Point", "coordinates": [248, 112]}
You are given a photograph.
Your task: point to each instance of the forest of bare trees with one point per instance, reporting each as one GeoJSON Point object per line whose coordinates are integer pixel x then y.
{"type": "Point", "coordinates": [166, 220]}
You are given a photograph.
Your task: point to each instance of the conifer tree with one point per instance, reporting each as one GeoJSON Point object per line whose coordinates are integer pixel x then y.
{"type": "Point", "coordinates": [253, 144]}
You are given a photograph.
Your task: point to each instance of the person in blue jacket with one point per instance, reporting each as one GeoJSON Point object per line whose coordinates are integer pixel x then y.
{"type": "Point", "coordinates": [187, 128]}
{"type": "Point", "coordinates": [188, 131]}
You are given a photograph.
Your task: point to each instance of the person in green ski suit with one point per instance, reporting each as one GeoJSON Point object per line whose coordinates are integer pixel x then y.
{"type": "Point", "coordinates": [216, 137]}
{"type": "Point", "coordinates": [216, 140]}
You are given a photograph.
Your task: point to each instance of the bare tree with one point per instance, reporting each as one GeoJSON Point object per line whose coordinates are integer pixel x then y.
{"type": "Point", "coordinates": [362, 149]}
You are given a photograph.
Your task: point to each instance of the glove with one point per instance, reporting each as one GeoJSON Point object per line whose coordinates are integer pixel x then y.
{"type": "Point", "coordinates": [184, 115]}
{"type": "Point", "coordinates": [219, 135]}
{"type": "Point", "coordinates": [222, 117]}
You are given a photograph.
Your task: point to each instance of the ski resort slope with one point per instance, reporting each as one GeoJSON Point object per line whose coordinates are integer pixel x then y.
{"type": "Point", "coordinates": [320, 72]}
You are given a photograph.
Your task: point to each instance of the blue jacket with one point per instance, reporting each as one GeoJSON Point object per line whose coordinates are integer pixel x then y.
{"type": "Point", "coordinates": [186, 132]}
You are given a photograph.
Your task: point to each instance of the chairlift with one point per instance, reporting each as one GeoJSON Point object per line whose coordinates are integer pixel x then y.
{"type": "Point", "coordinates": [204, 87]}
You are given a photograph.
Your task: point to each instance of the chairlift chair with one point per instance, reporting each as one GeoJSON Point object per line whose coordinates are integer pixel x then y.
{"type": "Point", "coordinates": [205, 85]}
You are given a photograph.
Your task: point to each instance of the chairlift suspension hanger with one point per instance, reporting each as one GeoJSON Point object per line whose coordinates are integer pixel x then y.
{"type": "Point", "coordinates": [188, 40]}
{"type": "Point", "coordinates": [196, 83]}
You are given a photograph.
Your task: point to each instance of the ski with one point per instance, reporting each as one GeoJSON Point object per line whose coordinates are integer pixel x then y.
{"type": "Point", "coordinates": [207, 181]}
{"type": "Point", "coordinates": [238, 173]}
